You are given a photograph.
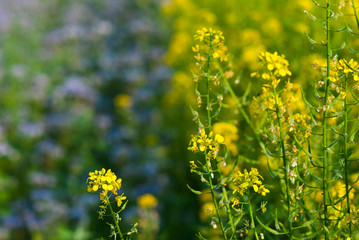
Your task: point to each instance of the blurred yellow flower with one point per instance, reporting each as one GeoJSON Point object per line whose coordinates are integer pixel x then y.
{"type": "Point", "coordinates": [230, 133]}
{"type": "Point", "coordinates": [206, 211]}
{"type": "Point", "coordinates": [123, 101]}
{"type": "Point", "coordinates": [147, 201]}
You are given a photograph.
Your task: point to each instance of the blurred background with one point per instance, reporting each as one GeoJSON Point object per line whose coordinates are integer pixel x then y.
{"type": "Point", "coordinates": [91, 84]}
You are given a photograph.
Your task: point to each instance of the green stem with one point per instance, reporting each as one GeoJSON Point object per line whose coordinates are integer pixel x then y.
{"type": "Point", "coordinates": [207, 71]}
{"type": "Point", "coordinates": [355, 13]}
{"type": "Point", "coordinates": [214, 199]}
{"type": "Point", "coordinates": [346, 150]}
{"type": "Point", "coordinates": [253, 226]}
{"type": "Point", "coordinates": [227, 206]}
{"type": "Point", "coordinates": [114, 218]}
{"type": "Point", "coordinates": [209, 126]}
{"type": "Point", "coordinates": [284, 158]}
{"type": "Point", "coordinates": [325, 124]}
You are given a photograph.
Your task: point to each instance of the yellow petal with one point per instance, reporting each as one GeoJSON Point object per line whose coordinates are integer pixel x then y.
{"type": "Point", "coordinates": [218, 138]}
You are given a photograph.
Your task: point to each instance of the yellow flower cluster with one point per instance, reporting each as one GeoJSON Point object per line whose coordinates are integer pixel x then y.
{"type": "Point", "coordinates": [244, 181]}
{"type": "Point", "coordinates": [230, 133]}
{"type": "Point", "coordinates": [206, 144]}
{"type": "Point", "coordinates": [147, 201]}
{"type": "Point", "coordinates": [213, 43]}
{"type": "Point", "coordinates": [341, 67]}
{"type": "Point", "coordinates": [276, 65]}
{"type": "Point", "coordinates": [106, 180]}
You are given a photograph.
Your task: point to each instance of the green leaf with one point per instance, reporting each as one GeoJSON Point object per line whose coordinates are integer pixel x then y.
{"type": "Point", "coordinates": [335, 131]}
{"type": "Point", "coordinates": [311, 16]}
{"type": "Point", "coordinates": [343, 197]}
{"type": "Point", "coordinates": [316, 3]}
{"type": "Point", "coordinates": [350, 48]}
{"type": "Point", "coordinates": [306, 224]}
{"type": "Point", "coordinates": [246, 93]}
{"type": "Point", "coordinates": [273, 174]}
{"type": "Point", "coordinates": [199, 236]}
{"type": "Point", "coordinates": [238, 219]}
{"type": "Point", "coordinates": [354, 96]}
{"type": "Point", "coordinates": [123, 207]}
{"type": "Point", "coordinates": [343, 45]}
{"type": "Point", "coordinates": [318, 179]}
{"type": "Point", "coordinates": [194, 191]}
{"type": "Point", "coordinates": [311, 40]}
{"type": "Point", "coordinates": [270, 229]}
{"type": "Point", "coordinates": [310, 106]}
{"type": "Point", "coordinates": [333, 143]}
{"type": "Point", "coordinates": [276, 224]}
{"type": "Point", "coordinates": [247, 160]}
{"type": "Point", "coordinates": [353, 135]}
{"type": "Point", "coordinates": [302, 180]}
{"type": "Point", "coordinates": [340, 29]}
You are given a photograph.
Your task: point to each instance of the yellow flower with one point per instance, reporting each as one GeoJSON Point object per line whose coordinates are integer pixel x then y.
{"type": "Point", "coordinates": [242, 182]}
{"type": "Point", "coordinates": [276, 65]}
{"type": "Point", "coordinates": [212, 41]}
{"type": "Point", "coordinates": [203, 143]}
{"type": "Point", "coordinates": [230, 134]}
{"type": "Point", "coordinates": [147, 201]}
{"type": "Point", "coordinates": [123, 101]}
{"type": "Point", "coordinates": [343, 95]}
{"type": "Point", "coordinates": [105, 180]}
{"type": "Point", "coordinates": [120, 199]}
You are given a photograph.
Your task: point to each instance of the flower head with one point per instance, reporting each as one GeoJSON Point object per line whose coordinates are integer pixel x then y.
{"type": "Point", "coordinates": [206, 143]}
{"type": "Point", "coordinates": [147, 201]}
{"type": "Point", "coordinates": [105, 180]}
{"type": "Point", "coordinates": [243, 182]}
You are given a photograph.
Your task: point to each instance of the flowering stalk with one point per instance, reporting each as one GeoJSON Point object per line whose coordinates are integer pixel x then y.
{"type": "Point", "coordinates": [347, 191]}
{"type": "Point", "coordinates": [276, 67]}
{"type": "Point", "coordinates": [209, 126]}
{"type": "Point", "coordinates": [253, 226]}
{"type": "Point", "coordinates": [110, 185]}
{"type": "Point", "coordinates": [284, 157]}
{"type": "Point", "coordinates": [355, 12]}
{"type": "Point", "coordinates": [211, 49]}
{"type": "Point", "coordinates": [214, 199]}
{"type": "Point", "coordinates": [114, 218]}
{"type": "Point", "coordinates": [226, 203]}
{"type": "Point", "coordinates": [325, 123]}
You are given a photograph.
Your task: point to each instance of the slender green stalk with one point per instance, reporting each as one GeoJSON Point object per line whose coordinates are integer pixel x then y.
{"type": "Point", "coordinates": [325, 124]}
{"type": "Point", "coordinates": [284, 158]}
{"type": "Point", "coordinates": [215, 201]}
{"type": "Point", "coordinates": [207, 71]}
{"type": "Point", "coordinates": [347, 191]}
{"type": "Point", "coordinates": [253, 226]}
{"type": "Point", "coordinates": [355, 13]}
{"type": "Point", "coordinates": [226, 202]}
{"type": "Point", "coordinates": [209, 126]}
{"type": "Point", "coordinates": [114, 218]}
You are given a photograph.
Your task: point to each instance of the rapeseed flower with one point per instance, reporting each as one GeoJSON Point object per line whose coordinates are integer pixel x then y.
{"type": "Point", "coordinates": [243, 182]}
{"type": "Point", "coordinates": [147, 201]}
{"type": "Point", "coordinates": [212, 42]}
{"type": "Point", "coordinates": [276, 66]}
{"type": "Point", "coordinates": [206, 143]}
{"type": "Point", "coordinates": [108, 182]}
